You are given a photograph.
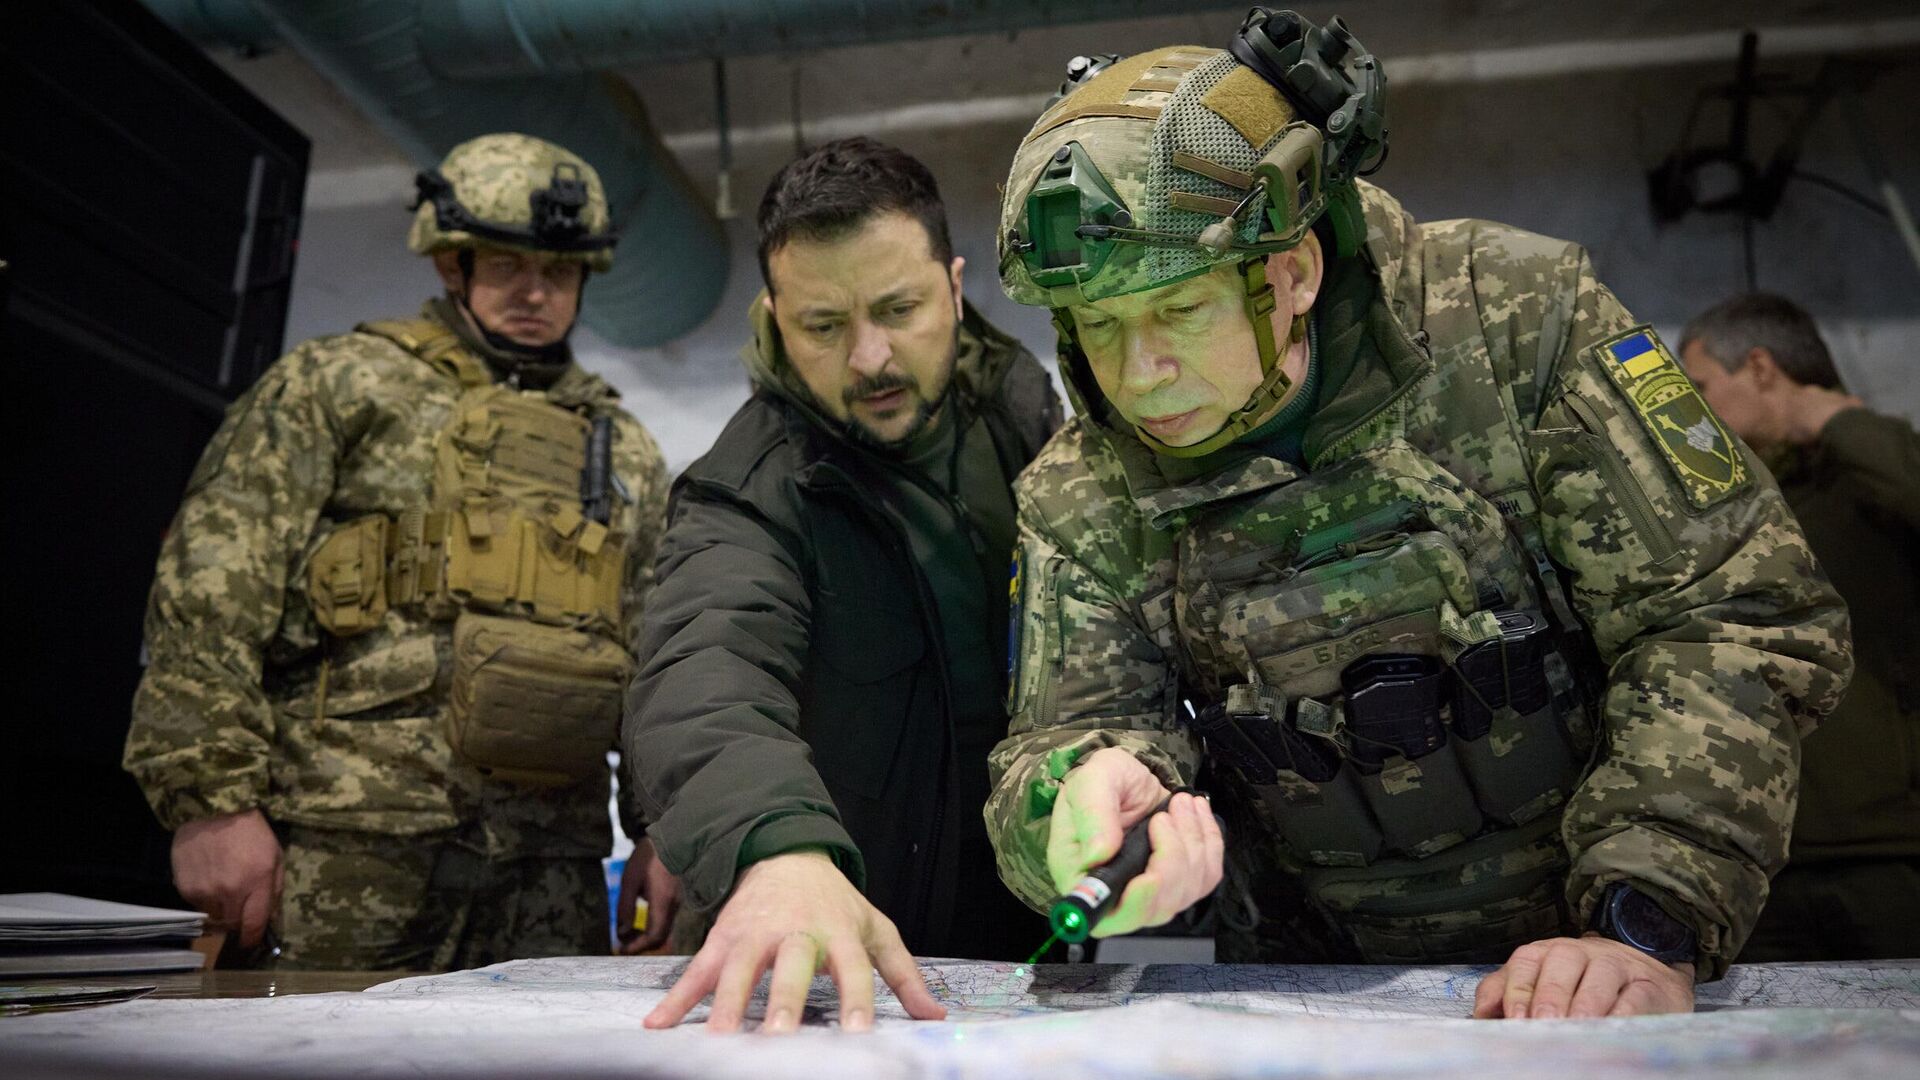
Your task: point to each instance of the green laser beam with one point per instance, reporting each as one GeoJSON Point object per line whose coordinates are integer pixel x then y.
{"type": "Point", "coordinates": [1042, 950]}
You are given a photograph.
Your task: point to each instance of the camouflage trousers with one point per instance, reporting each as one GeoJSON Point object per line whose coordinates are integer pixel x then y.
{"type": "Point", "coordinates": [356, 901]}
{"type": "Point", "coordinates": [1865, 909]}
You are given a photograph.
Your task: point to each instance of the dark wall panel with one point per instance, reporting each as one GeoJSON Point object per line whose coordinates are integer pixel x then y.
{"type": "Point", "coordinates": [149, 222]}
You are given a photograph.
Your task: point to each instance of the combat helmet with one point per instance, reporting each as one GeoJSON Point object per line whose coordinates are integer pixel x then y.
{"type": "Point", "coordinates": [1165, 165]}
{"type": "Point", "coordinates": [513, 191]}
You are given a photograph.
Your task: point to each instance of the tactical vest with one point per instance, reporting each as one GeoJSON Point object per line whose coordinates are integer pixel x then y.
{"type": "Point", "coordinates": [504, 549]}
{"type": "Point", "coordinates": [1391, 698]}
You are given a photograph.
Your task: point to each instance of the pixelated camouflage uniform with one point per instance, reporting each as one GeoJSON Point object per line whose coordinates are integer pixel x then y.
{"type": "Point", "coordinates": [398, 853]}
{"type": "Point", "coordinates": [1462, 369]}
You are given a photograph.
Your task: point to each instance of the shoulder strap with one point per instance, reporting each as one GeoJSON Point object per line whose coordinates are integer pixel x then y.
{"type": "Point", "coordinates": [436, 344]}
{"type": "Point", "coordinates": [1520, 509]}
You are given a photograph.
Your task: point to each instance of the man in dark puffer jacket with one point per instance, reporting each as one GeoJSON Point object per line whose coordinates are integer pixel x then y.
{"type": "Point", "coordinates": [823, 660]}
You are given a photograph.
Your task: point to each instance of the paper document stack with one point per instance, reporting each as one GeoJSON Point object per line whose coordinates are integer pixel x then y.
{"type": "Point", "coordinates": [53, 933]}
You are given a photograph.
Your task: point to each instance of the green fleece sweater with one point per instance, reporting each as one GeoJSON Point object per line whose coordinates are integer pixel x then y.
{"type": "Point", "coordinates": [1857, 494]}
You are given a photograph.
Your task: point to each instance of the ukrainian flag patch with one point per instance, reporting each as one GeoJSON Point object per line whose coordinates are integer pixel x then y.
{"type": "Point", "coordinates": [1637, 354]}
{"type": "Point", "coordinates": [1702, 456]}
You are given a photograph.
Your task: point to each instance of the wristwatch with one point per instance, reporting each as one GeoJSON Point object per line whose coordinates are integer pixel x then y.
{"type": "Point", "coordinates": [1631, 917]}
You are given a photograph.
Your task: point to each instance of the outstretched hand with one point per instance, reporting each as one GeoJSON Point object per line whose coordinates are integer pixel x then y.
{"type": "Point", "coordinates": [796, 912]}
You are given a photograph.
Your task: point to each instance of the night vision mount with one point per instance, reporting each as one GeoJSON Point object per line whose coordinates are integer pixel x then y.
{"type": "Point", "coordinates": [1336, 85]}
{"type": "Point", "coordinates": [1080, 71]}
{"type": "Point", "coordinates": [556, 213]}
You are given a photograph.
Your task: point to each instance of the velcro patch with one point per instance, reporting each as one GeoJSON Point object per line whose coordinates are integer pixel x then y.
{"type": "Point", "coordinates": [1697, 448]}
{"type": "Point", "coordinates": [1250, 104]}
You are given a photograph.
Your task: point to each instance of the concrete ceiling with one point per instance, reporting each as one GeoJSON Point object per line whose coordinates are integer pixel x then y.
{"type": "Point", "coordinates": [937, 73]}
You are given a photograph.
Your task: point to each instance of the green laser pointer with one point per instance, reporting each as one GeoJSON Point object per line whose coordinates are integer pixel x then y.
{"type": "Point", "coordinates": [1074, 915]}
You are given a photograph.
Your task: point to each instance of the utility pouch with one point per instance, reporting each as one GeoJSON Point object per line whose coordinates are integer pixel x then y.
{"type": "Point", "coordinates": [1422, 806]}
{"type": "Point", "coordinates": [1393, 707]}
{"type": "Point", "coordinates": [1507, 727]}
{"type": "Point", "coordinates": [346, 577]}
{"type": "Point", "coordinates": [1250, 733]}
{"type": "Point", "coordinates": [1309, 792]}
{"type": "Point", "coordinates": [1507, 671]}
{"type": "Point", "coordinates": [534, 704]}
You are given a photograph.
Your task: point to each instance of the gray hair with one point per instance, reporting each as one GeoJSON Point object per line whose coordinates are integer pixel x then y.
{"type": "Point", "coordinates": [1731, 329]}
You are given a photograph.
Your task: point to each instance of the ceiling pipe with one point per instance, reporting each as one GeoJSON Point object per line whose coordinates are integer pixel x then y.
{"type": "Point", "coordinates": [486, 39]}
{"type": "Point", "coordinates": [233, 24]}
{"type": "Point", "coordinates": [432, 73]}
{"type": "Point", "coordinates": [670, 268]}
{"type": "Point", "coordinates": [495, 39]}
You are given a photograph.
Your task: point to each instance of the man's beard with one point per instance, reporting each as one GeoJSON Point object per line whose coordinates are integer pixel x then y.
{"type": "Point", "coordinates": [923, 413]}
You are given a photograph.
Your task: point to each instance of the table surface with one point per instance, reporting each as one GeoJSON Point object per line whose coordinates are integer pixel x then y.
{"type": "Point", "coordinates": [580, 1017]}
{"type": "Point", "coordinates": [229, 984]}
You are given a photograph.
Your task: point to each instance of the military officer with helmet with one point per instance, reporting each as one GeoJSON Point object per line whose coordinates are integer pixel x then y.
{"type": "Point", "coordinates": [391, 623]}
{"type": "Point", "coordinates": [1405, 541]}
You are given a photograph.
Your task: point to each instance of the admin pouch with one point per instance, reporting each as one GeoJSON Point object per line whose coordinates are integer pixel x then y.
{"type": "Point", "coordinates": [532, 703]}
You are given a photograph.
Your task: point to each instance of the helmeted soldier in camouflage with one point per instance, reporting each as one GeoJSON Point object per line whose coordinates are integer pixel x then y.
{"type": "Point", "coordinates": [391, 623]}
{"type": "Point", "coordinates": [1403, 541]}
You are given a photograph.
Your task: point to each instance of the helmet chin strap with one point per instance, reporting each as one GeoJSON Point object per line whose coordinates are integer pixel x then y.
{"type": "Point", "coordinates": [1266, 398]}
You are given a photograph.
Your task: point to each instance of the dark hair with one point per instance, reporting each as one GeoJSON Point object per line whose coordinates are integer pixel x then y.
{"type": "Point", "coordinates": [830, 191]}
{"type": "Point", "coordinates": [1731, 329]}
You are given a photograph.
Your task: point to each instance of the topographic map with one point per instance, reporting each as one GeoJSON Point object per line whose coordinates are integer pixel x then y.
{"type": "Point", "coordinates": [580, 1017]}
{"type": "Point", "coordinates": [978, 990]}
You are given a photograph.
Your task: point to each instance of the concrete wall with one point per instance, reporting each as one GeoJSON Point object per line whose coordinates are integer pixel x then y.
{"type": "Point", "coordinates": [1561, 153]}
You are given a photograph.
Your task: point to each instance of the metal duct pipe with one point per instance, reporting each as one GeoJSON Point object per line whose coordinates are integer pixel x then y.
{"type": "Point", "coordinates": [492, 39]}
{"type": "Point", "coordinates": [231, 23]}
{"type": "Point", "coordinates": [671, 266]}
{"type": "Point", "coordinates": [488, 39]}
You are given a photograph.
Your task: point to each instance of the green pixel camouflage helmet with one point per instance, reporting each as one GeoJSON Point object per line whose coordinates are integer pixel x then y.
{"type": "Point", "coordinates": [514, 191]}
{"type": "Point", "coordinates": [1165, 165]}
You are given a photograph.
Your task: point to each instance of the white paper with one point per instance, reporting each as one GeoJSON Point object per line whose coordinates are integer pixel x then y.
{"type": "Point", "coordinates": [50, 917]}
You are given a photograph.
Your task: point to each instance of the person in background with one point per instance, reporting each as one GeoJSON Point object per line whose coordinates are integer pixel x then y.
{"type": "Point", "coordinates": [1851, 889]}
{"type": "Point", "coordinates": [391, 624]}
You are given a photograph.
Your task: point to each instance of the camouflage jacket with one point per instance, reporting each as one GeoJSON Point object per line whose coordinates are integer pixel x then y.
{"type": "Point", "coordinates": [1484, 348]}
{"type": "Point", "coordinates": [230, 713]}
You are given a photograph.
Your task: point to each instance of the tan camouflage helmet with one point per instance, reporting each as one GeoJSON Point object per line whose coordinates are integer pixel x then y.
{"type": "Point", "coordinates": [514, 191]}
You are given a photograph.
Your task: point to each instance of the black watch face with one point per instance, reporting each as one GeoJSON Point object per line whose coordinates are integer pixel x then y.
{"type": "Point", "coordinates": [1645, 926]}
